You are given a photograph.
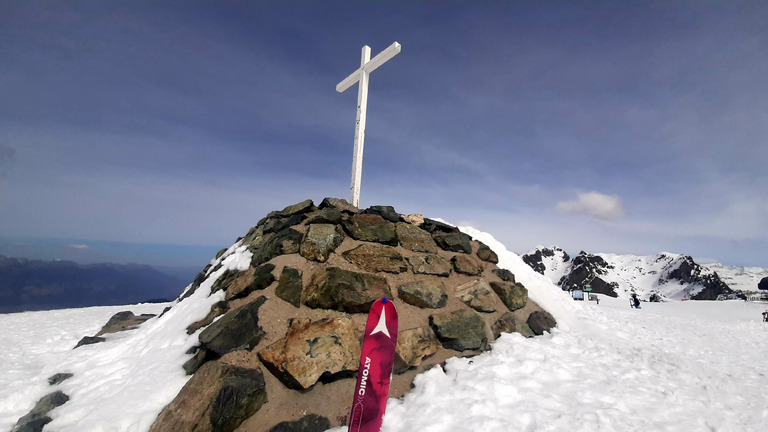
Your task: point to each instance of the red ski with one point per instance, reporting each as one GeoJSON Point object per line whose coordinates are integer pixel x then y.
{"type": "Point", "coordinates": [375, 371]}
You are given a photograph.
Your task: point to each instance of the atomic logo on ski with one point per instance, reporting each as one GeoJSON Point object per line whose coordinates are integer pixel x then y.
{"type": "Point", "coordinates": [381, 327]}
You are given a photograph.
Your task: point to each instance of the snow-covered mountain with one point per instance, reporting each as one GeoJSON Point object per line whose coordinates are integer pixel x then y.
{"type": "Point", "coordinates": [667, 275]}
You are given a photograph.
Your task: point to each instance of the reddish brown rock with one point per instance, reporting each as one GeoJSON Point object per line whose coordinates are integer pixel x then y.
{"type": "Point", "coordinates": [313, 350]}
{"type": "Point", "coordinates": [466, 264]}
{"type": "Point", "coordinates": [413, 346]}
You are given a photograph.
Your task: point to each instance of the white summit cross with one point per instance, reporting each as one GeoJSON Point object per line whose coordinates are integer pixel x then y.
{"type": "Point", "coordinates": [367, 65]}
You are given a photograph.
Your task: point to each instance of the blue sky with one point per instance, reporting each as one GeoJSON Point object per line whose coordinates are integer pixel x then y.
{"type": "Point", "coordinates": [624, 127]}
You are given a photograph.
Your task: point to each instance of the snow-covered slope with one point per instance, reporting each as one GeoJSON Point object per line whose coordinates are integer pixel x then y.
{"type": "Point", "coordinates": [121, 384]}
{"type": "Point", "coordinates": [669, 275]}
{"type": "Point", "coordinates": [739, 278]}
{"type": "Point", "coordinates": [659, 368]}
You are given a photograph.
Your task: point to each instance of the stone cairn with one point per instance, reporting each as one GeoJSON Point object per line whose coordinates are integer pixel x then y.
{"type": "Point", "coordinates": [299, 312]}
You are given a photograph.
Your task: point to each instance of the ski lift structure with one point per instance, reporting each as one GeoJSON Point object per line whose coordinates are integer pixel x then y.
{"type": "Point", "coordinates": [585, 293]}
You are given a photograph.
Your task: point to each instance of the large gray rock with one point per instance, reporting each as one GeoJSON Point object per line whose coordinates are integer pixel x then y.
{"type": "Point", "coordinates": [339, 204]}
{"type": "Point", "coordinates": [321, 240]}
{"type": "Point", "coordinates": [312, 351]}
{"type": "Point", "coordinates": [219, 397]}
{"type": "Point", "coordinates": [486, 254]}
{"type": "Point", "coordinates": [374, 257]}
{"type": "Point", "coordinates": [289, 286]}
{"type": "Point", "coordinates": [277, 223]}
{"type": "Point", "coordinates": [38, 416]}
{"type": "Point", "coordinates": [413, 346]}
{"type": "Point", "coordinates": [432, 226]}
{"type": "Point", "coordinates": [504, 275]}
{"type": "Point", "coordinates": [237, 329]}
{"type": "Point", "coordinates": [415, 239]}
{"type": "Point", "coordinates": [286, 241]}
{"type": "Point", "coordinates": [423, 294]}
{"type": "Point", "coordinates": [454, 242]}
{"type": "Point", "coordinates": [345, 291]}
{"type": "Point", "coordinates": [508, 323]}
{"type": "Point", "coordinates": [305, 206]}
{"type": "Point", "coordinates": [541, 321]}
{"type": "Point", "coordinates": [387, 212]}
{"type": "Point", "coordinates": [329, 215]}
{"type": "Point", "coordinates": [514, 296]}
{"type": "Point", "coordinates": [460, 330]}
{"type": "Point", "coordinates": [478, 295]}
{"type": "Point", "coordinates": [254, 280]}
{"type": "Point", "coordinates": [372, 228]}
{"type": "Point", "coordinates": [430, 265]}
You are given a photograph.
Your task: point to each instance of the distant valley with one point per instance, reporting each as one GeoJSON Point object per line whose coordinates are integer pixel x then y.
{"type": "Point", "coordinates": [29, 285]}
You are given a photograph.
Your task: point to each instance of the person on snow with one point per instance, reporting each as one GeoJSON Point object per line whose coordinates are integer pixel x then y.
{"type": "Point", "coordinates": [765, 316]}
{"type": "Point", "coordinates": [634, 301]}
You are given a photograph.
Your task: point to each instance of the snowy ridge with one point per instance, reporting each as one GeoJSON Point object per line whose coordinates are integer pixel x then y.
{"type": "Point", "coordinates": [669, 275]}
{"type": "Point", "coordinates": [739, 278]}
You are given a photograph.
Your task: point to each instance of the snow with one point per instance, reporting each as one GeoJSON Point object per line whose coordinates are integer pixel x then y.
{"type": "Point", "coordinates": [673, 366]}
{"type": "Point", "coordinates": [121, 384]}
{"type": "Point", "coordinates": [676, 366]}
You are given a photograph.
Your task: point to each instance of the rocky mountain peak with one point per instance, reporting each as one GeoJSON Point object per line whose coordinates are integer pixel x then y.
{"type": "Point", "coordinates": [274, 339]}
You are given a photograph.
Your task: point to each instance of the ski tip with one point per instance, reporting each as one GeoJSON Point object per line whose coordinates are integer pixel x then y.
{"type": "Point", "coordinates": [383, 299]}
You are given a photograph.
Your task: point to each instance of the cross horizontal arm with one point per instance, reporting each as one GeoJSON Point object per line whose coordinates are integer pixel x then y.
{"type": "Point", "coordinates": [369, 67]}
{"type": "Point", "coordinates": [382, 57]}
{"type": "Point", "coordinates": [348, 81]}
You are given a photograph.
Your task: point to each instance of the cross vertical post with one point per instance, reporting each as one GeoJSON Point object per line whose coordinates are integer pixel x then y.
{"type": "Point", "coordinates": [357, 153]}
{"type": "Point", "coordinates": [361, 76]}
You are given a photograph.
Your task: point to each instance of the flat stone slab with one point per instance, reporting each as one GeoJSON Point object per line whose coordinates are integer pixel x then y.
{"type": "Point", "coordinates": [430, 265]}
{"type": "Point", "coordinates": [374, 257]}
{"type": "Point", "coordinates": [423, 294]}
{"type": "Point", "coordinates": [345, 291]}
{"type": "Point", "coordinates": [415, 239]}
{"type": "Point", "coordinates": [372, 228]}
{"type": "Point", "coordinates": [454, 242]}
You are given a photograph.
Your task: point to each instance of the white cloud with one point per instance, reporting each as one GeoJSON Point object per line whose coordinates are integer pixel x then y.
{"type": "Point", "coordinates": [595, 204]}
{"type": "Point", "coordinates": [79, 246]}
